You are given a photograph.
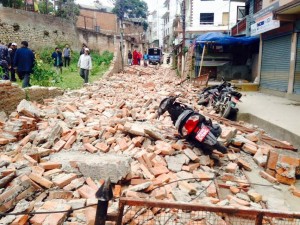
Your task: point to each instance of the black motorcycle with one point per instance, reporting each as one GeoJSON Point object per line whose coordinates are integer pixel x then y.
{"type": "Point", "coordinates": [193, 126]}
{"type": "Point", "coordinates": [223, 98]}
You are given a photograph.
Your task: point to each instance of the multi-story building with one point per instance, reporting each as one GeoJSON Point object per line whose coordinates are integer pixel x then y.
{"type": "Point", "coordinates": [172, 9]}
{"type": "Point", "coordinates": [211, 16]}
{"type": "Point", "coordinates": [278, 25]}
{"type": "Point", "coordinates": [155, 36]}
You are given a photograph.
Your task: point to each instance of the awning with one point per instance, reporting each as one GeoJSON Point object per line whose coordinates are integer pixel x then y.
{"type": "Point", "coordinates": [214, 63]}
{"type": "Point", "coordinates": [288, 12]}
{"type": "Point", "coordinates": [218, 38]}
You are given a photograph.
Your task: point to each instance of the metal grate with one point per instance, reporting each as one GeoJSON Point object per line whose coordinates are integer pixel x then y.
{"type": "Point", "coordinates": [148, 212]}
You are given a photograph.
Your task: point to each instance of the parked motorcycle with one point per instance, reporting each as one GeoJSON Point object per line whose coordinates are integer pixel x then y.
{"type": "Point", "coordinates": [223, 98]}
{"type": "Point", "coordinates": [192, 126]}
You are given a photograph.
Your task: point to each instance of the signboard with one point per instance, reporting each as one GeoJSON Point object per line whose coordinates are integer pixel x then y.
{"type": "Point", "coordinates": [266, 11]}
{"type": "Point", "coordinates": [264, 24]}
{"type": "Point", "coordinates": [264, 20]}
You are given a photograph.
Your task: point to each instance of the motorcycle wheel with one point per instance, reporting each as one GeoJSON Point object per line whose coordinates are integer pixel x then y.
{"type": "Point", "coordinates": [220, 147]}
{"type": "Point", "coordinates": [203, 102]}
{"type": "Point", "coordinates": [227, 110]}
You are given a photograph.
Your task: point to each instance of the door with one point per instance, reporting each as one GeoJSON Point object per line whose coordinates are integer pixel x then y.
{"type": "Point", "coordinates": [275, 64]}
{"type": "Point", "coordinates": [297, 68]}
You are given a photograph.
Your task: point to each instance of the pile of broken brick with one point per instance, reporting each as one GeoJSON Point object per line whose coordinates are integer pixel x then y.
{"type": "Point", "coordinates": [55, 156]}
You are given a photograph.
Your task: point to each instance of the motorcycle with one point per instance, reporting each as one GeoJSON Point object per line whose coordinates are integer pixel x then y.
{"type": "Point", "coordinates": [223, 98]}
{"type": "Point", "coordinates": [192, 126]}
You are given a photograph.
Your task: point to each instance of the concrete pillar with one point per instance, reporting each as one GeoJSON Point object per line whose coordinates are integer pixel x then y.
{"type": "Point", "coordinates": [259, 58]}
{"type": "Point", "coordinates": [292, 63]}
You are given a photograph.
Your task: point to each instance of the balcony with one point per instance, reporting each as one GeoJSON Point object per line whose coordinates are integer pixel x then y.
{"type": "Point", "coordinates": [240, 27]}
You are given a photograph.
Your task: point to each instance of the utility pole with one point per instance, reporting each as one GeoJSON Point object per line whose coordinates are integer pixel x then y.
{"type": "Point", "coordinates": [229, 7]}
{"type": "Point", "coordinates": [121, 30]}
{"type": "Point", "coordinates": [183, 38]}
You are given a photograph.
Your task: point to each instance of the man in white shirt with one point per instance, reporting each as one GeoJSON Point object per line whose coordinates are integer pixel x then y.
{"type": "Point", "coordinates": [85, 65]}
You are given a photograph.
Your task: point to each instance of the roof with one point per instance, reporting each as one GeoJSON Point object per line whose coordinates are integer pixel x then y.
{"type": "Point", "coordinates": [95, 7]}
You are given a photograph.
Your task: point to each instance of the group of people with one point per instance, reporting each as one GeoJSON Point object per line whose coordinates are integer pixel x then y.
{"type": "Point", "coordinates": [135, 58]}
{"type": "Point", "coordinates": [14, 59]}
{"type": "Point", "coordinates": [63, 58]}
{"type": "Point", "coordinates": [59, 56]}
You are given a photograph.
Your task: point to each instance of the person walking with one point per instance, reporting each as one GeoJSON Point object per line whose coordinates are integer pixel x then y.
{"type": "Point", "coordinates": [135, 57]}
{"type": "Point", "coordinates": [4, 61]}
{"type": "Point", "coordinates": [82, 49]}
{"type": "Point", "coordinates": [67, 55]}
{"type": "Point", "coordinates": [140, 56]}
{"type": "Point", "coordinates": [85, 65]}
{"type": "Point", "coordinates": [129, 58]}
{"type": "Point", "coordinates": [146, 58]}
{"type": "Point", "coordinates": [12, 54]}
{"type": "Point", "coordinates": [24, 62]}
{"type": "Point", "coordinates": [57, 58]}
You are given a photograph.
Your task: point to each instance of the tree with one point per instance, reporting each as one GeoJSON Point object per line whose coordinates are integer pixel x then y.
{"type": "Point", "coordinates": [67, 9]}
{"type": "Point", "coordinates": [131, 9]}
{"type": "Point", "coordinates": [13, 3]}
{"type": "Point", "coordinates": [45, 7]}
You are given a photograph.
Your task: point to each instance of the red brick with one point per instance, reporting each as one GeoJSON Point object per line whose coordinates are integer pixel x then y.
{"type": "Point", "coordinates": [59, 145]}
{"type": "Point", "coordinates": [87, 192]}
{"type": "Point", "coordinates": [71, 108]}
{"type": "Point", "coordinates": [289, 160]}
{"type": "Point", "coordinates": [146, 172]}
{"type": "Point", "coordinates": [159, 193]}
{"type": "Point", "coordinates": [267, 177]}
{"type": "Point", "coordinates": [20, 220]}
{"type": "Point", "coordinates": [231, 167]}
{"type": "Point", "coordinates": [25, 140]}
{"type": "Point", "coordinates": [51, 172]}
{"type": "Point", "coordinates": [285, 180]}
{"type": "Point", "coordinates": [4, 141]}
{"type": "Point", "coordinates": [102, 147]}
{"type": "Point", "coordinates": [252, 149]}
{"type": "Point", "coordinates": [122, 143]}
{"type": "Point", "coordinates": [64, 179]}
{"type": "Point", "coordinates": [117, 191]}
{"type": "Point", "coordinates": [272, 160]}
{"type": "Point", "coordinates": [296, 192]}
{"type": "Point", "coordinates": [203, 175]}
{"type": "Point", "coordinates": [211, 190]}
{"type": "Point", "coordinates": [91, 183]}
{"type": "Point", "coordinates": [90, 215]}
{"type": "Point", "coordinates": [191, 167]}
{"type": "Point", "coordinates": [40, 180]}
{"type": "Point", "coordinates": [37, 170]}
{"type": "Point", "coordinates": [70, 142]}
{"type": "Point", "coordinates": [244, 164]}
{"type": "Point", "coordinates": [234, 189]}
{"type": "Point", "coordinates": [30, 160]}
{"type": "Point", "coordinates": [138, 181]}
{"type": "Point", "coordinates": [68, 135]}
{"type": "Point", "coordinates": [50, 165]}
{"type": "Point", "coordinates": [158, 170]}
{"type": "Point", "coordinates": [89, 147]}
{"type": "Point", "coordinates": [147, 160]}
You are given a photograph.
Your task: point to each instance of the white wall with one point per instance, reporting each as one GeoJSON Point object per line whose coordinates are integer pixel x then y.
{"type": "Point", "coordinates": [217, 7]}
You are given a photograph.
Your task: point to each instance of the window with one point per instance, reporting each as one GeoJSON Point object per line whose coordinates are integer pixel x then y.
{"type": "Point", "coordinates": [206, 18]}
{"type": "Point", "coordinates": [257, 5]}
{"type": "Point", "coordinates": [225, 18]}
{"type": "Point", "coordinates": [241, 13]}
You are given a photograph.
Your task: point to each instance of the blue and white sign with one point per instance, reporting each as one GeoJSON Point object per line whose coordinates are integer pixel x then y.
{"type": "Point", "coordinates": [264, 24]}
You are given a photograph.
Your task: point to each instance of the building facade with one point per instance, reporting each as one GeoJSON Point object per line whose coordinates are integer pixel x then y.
{"type": "Point", "coordinates": [278, 25]}
{"type": "Point", "coordinates": [211, 16]}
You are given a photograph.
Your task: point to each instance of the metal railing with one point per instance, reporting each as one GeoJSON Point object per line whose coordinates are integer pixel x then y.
{"type": "Point", "coordinates": [139, 211]}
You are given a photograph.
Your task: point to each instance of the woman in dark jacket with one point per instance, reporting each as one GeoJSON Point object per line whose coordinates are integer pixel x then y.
{"type": "Point", "coordinates": [57, 57]}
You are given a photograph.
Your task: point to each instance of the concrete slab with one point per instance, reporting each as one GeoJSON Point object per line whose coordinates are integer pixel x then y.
{"type": "Point", "coordinates": [278, 116]}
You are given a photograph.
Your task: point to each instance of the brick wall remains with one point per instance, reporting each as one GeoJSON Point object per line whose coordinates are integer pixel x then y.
{"type": "Point", "coordinates": [40, 30]}
{"type": "Point", "coordinates": [12, 95]}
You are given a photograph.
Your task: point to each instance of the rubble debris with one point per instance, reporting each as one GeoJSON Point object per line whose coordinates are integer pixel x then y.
{"type": "Point", "coordinates": [55, 156]}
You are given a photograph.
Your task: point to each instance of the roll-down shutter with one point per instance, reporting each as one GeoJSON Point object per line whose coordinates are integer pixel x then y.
{"type": "Point", "coordinates": [275, 64]}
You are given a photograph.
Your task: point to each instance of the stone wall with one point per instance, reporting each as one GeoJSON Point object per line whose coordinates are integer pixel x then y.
{"type": "Point", "coordinates": [12, 95]}
{"type": "Point", "coordinates": [96, 41]}
{"type": "Point", "coordinates": [39, 30]}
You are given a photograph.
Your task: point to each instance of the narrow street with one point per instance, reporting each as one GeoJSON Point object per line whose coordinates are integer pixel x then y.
{"type": "Point", "coordinates": [61, 152]}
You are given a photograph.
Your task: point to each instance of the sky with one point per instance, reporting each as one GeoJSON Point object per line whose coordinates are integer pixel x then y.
{"type": "Point", "coordinates": [151, 3]}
